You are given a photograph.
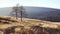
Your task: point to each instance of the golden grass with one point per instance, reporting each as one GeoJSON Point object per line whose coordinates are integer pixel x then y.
{"type": "Point", "coordinates": [29, 22]}
{"type": "Point", "coordinates": [31, 26]}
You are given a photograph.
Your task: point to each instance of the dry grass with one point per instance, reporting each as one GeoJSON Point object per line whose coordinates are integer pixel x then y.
{"type": "Point", "coordinates": [28, 26]}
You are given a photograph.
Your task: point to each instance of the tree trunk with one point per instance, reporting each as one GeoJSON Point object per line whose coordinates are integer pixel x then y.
{"type": "Point", "coordinates": [16, 15]}
{"type": "Point", "coordinates": [21, 16]}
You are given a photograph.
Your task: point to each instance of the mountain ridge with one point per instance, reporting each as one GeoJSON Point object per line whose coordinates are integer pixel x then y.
{"type": "Point", "coordinates": [35, 12]}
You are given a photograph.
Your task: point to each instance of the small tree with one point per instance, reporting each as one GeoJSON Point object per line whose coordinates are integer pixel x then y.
{"type": "Point", "coordinates": [15, 11]}
{"type": "Point", "coordinates": [18, 12]}
{"type": "Point", "coordinates": [22, 13]}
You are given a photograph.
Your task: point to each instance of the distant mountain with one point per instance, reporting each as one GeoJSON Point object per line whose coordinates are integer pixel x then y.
{"type": "Point", "coordinates": [42, 13]}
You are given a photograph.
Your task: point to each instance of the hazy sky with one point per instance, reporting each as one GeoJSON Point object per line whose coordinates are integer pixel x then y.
{"type": "Point", "coordinates": [38, 3]}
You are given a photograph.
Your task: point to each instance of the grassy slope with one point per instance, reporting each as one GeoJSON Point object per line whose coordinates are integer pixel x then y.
{"type": "Point", "coordinates": [28, 23]}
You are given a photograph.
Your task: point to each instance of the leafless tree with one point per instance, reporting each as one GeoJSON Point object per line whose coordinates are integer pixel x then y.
{"type": "Point", "coordinates": [18, 11]}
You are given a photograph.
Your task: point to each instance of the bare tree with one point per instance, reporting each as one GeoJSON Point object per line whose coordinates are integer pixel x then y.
{"type": "Point", "coordinates": [14, 11]}
{"type": "Point", "coordinates": [18, 11]}
{"type": "Point", "coordinates": [22, 12]}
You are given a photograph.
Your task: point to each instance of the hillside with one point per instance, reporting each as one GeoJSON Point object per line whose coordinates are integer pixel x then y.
{"type": "Point", "coordinates": [9, 24]}
{"type": "Point", "coordinates": [12, 20]}
{"type": "Point", "coordinates": [42, 13]}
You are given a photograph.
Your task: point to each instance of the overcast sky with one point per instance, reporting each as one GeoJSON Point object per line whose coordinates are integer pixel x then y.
{"type": "Point", "coordinates": [38, 3]}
